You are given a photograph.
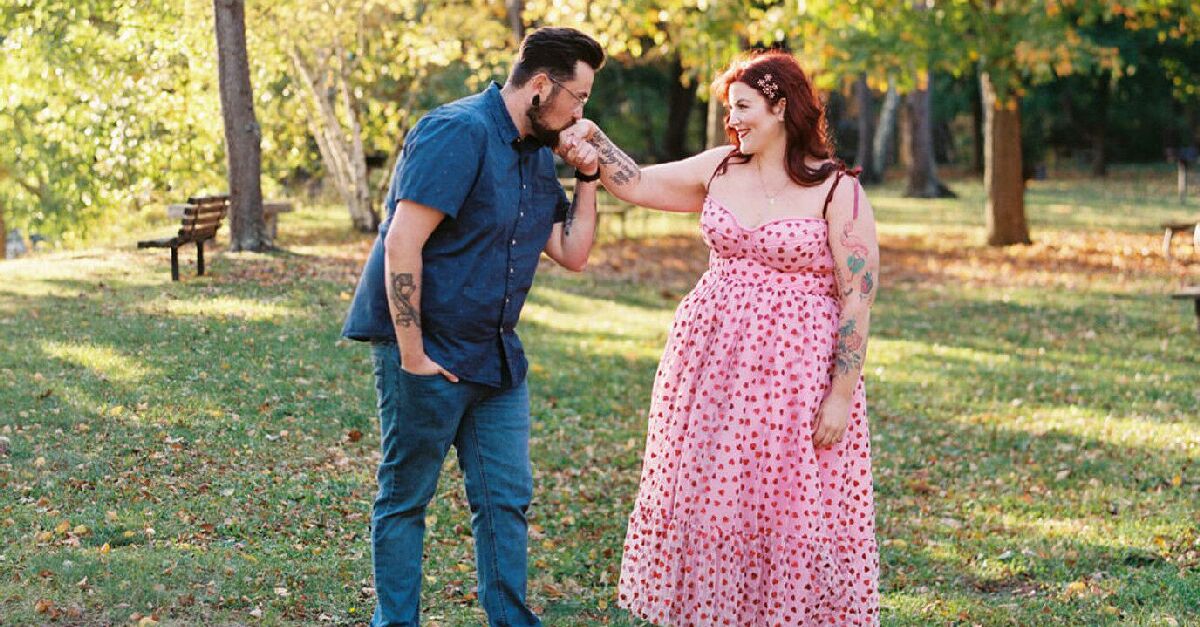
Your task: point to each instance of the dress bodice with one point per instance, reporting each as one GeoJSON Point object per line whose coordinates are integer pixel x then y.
{"type": "Point", "coordinates": [785, 251]}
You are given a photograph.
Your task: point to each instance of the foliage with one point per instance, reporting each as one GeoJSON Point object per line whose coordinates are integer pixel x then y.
{"type": "Point", "coordinates": [105, 102]}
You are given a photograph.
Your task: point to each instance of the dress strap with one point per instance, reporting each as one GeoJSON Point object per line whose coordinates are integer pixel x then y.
{"type": "Point", "coordinates": [852, 174]}
{"type": "Point", "coordinates": [719, 168]}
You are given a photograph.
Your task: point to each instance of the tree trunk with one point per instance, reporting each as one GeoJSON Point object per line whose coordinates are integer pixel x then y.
{"type": "Point", "coordinates": [977, 131]}
{"type": "Point", "coordinates": [3, 236]}
{"type": "Point", "coordinates": [242, 134]}
{"type": "Point", "coordinates": [715, 128]}
{"type": "Point", "coordinates": [1099, 134]}
{"type": "Point", "coordinates": [885, 131]}
{"type": "Point", "coordinates": [344, 160]}
{"type": "Point", "coordinates": [923, 180]}
{"type": "Point", "coordinates": [1002, 180]}
{"type": "Point", "coordinates": [360, 190]}
{"type": "Point", "coordinates": [866, 132]}
{"type": "Point", "coordinates": [516, 22]}
{"type": "Point", "coordinates": [680, 103]}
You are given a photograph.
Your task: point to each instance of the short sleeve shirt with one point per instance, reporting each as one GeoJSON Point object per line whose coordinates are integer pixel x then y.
{"type": "Point", "coordinates": [501, 199]}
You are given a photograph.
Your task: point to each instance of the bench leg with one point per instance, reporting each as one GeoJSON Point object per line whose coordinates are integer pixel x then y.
{"type": "Point", "coordinates": [199, 258]}
{"type": "Point", "coordinates": [271, 224]}
{"type": "Point", "coordinates": [1166, 245]}
{"type": "Point", "coordinates": [174, 263]}
{"type": "Point", "coordinates": [1197, 303]}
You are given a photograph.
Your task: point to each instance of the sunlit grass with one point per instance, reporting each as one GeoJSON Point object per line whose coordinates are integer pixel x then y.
{"type": "Point", "coordinates": [222, 307]}
{"type": "Point", "coordinates": [104, 361]}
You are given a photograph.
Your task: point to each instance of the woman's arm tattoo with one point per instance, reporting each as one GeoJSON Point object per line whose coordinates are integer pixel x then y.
{"type": "Point", "coordinates": [622, 169]}
{"type": "Point", "coordinates": [403, 287]}
{"type": "Point", "coordinates": [851, 349]}
{"type": "Point", "coordinates": [856, 264]}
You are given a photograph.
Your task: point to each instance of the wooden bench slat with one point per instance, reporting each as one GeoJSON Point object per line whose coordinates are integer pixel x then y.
{"type": "Point", "coordinates": [196, 200]}
{"type": "Point", "coordinates": [204, 210]}
{"type": "Point", "coordinates": [192, 223]}
{"type": "Point", "coordinates": [197, 234]}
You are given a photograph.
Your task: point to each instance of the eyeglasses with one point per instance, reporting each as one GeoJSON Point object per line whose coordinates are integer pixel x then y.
{"type": "Point", "coordinates": [583, 100]}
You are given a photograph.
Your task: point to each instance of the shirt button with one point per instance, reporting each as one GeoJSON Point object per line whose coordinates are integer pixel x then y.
{"type": "Point", "coordinates": [521, 214]}
{"type": "Point", "coordinates": [514, 242]}
{"type": "Point", "coordinates": [522, 186]}
{"type": "Point", "coordinates": [510, 271]}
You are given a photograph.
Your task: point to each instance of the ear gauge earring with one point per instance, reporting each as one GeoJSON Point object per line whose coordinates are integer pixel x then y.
{"type": "Point", "coordinates": [537, 100]}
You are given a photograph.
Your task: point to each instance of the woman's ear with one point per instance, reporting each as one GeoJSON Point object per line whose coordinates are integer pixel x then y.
{"type": "Point", "coordinates": [780, 108]}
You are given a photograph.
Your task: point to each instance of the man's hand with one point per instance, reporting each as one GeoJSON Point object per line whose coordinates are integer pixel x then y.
{"type": "Point", "coordinates": [424, 366]}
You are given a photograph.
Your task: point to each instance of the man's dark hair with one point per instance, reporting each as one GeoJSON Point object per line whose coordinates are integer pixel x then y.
{"type": "Point", "coordinates": [555, 51]}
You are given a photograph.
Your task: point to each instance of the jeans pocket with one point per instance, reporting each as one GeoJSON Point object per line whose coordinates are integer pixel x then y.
{"type": "Point", "coordinates": [421, 377]}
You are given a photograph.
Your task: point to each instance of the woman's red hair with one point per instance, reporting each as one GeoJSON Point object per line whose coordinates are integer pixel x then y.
{"type": "Point", "coordinates": [803, 118]}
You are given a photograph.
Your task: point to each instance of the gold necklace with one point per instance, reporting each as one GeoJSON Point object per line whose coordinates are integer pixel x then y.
{"type": "Point", "coordinates": [763, 181]}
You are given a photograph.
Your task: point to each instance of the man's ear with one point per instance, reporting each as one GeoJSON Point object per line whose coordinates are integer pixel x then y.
{"type": "Point", "coordinates": [539, 82]}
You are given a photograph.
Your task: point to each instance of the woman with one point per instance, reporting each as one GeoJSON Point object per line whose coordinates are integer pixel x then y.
{"type": "Point", "coordinates": [756, 504]}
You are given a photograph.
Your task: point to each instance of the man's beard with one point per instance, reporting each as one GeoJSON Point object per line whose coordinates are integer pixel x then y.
{"type": "Point", "coordinates": [539, 130]}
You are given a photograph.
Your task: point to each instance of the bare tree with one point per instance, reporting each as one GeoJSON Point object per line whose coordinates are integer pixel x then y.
{"type": "Point", "coordinates": [326, 81]}
{"type": "Point", "coordinates": [866, 131]}
{"type": "Point", "coordinates": [885, 130]}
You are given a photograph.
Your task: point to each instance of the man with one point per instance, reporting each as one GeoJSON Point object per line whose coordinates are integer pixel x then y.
{"type": "Point", "coordinates": [473, 203]}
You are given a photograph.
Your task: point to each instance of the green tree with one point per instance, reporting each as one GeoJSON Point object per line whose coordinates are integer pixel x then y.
{"type": "Point", "coordinates": [106, 101]}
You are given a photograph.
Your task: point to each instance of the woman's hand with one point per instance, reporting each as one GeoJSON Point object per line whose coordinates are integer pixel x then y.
{"type": "Point", "coordinates": [832, 420]}
{"type": "Point", "coordinates": [579, 132]}
{"type": "Point", "coordinates": [579, 154]}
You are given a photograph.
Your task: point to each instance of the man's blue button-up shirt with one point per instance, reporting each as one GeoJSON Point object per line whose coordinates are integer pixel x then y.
{"type": "Point", "coordinates": [501, 199]}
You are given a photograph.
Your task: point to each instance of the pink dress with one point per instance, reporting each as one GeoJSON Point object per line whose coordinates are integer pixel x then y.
{"type": "Point", "coordinates": [739, 520]}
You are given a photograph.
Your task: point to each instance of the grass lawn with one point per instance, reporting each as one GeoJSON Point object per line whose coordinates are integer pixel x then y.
{"type": "Point", "coordinates": [203, 452]}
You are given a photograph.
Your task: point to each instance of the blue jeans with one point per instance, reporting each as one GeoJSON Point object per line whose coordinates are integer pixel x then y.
{"type": "Point", "coordinates": [420, 417]}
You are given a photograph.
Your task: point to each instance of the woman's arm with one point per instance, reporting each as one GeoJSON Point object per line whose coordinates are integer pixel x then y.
{"type": "Point", "coordinates": [856, 264]}
{"type": "Point", "coordinates": [675, 186]}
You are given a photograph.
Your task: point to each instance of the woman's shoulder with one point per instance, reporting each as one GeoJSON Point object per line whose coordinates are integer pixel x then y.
{"type": "Point", "coordinates": [713, 156]}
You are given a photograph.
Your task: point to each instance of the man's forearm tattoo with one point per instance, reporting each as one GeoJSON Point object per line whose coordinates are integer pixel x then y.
{"type": "Point", "coordinates": [622, 169]}
{"type": "Point", "coordinates": [403, 288]}
{"type": "Point", "coordinates": [570, 214]}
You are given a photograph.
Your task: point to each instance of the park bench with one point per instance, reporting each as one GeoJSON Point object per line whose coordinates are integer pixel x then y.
{"type": "Point", "coordinates": [1171, 229]}
{"type": "Point", "coordinates": [201, 217]}
{"type": "Point", "coordinates": [1190, 293]}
